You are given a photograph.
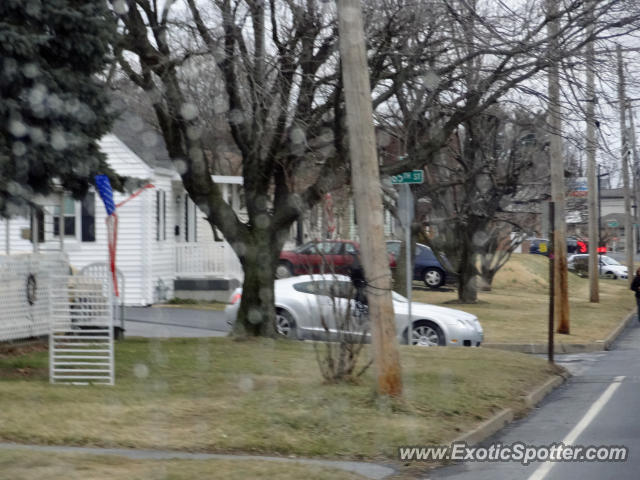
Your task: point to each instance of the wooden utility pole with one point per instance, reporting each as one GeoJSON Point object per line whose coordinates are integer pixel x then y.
{"type": "Point", "coordinates": [624, 153]}
{"type": "Point", "coordinates": [634, 175]}
{"type": "Point", "coordinates": [550, 342]}
{"type": "Point", "coordinates": [592, 145]}
{"type": "Point", "coordinates": [367, 194]}
{"type": "Point", "coordinates": [557, 176]}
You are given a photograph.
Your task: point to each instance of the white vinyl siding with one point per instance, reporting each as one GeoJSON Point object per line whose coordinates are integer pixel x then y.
{"type": "Point", "coordinates": [145, 262]}
{"type": "Point", "coordinates": [162, 259]}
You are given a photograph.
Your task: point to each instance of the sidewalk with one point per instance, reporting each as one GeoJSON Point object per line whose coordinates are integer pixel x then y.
{"type": "Point", "coordinates": [373, 471]}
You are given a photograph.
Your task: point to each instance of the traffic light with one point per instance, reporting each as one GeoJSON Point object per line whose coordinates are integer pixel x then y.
{"type": "Point", "coordinates": [602, 249]}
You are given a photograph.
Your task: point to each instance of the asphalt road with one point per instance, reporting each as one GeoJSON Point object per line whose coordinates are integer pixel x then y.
{"type": "Point", "coordinates": [174, 322]}
{"type": "Point", "coordinates": [596, 407]}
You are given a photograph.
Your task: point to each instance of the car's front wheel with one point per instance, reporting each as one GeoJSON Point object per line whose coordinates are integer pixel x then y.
{"type": "Point", "coordinates": [284, 270]}
{"type": "Point", "coordinates": [285, 325]}
{"type": "Point", "coordinates": [433, 277]}
{"type": "Point", "coordinates": [426, 334]}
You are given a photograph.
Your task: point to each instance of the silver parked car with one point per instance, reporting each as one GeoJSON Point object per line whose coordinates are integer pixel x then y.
{"type": "Point", "coordinates": [609, 267]}
{"type": "Point", "coordinates": [305, 303]}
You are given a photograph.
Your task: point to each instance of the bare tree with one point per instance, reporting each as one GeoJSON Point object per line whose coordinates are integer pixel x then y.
{"type": "Point", "coordinates": [481, 53]}
{"type": "Point", "coordinates": [275, 80]}
{"type": "Point", "coordinates": [472, 185]}
{"type": "Point", "coordinates": [277, 65]}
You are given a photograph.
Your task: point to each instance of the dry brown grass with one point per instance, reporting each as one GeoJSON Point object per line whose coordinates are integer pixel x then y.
{"type": "Point", "coordinates": [266, 397]}
{"type": "Point", "coordinates": [516, 310]}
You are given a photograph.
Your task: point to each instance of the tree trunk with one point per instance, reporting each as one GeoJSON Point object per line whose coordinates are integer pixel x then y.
{"type": "Point", "coordinates": [256, 316]}
{"type": "Point", "coordinates": [467, 288]}
{"type": "Point", "coordinates": [487, 280]}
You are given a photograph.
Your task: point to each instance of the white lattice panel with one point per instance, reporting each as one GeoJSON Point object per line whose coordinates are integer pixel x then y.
{"type": "Point", "coordinates": [24, 293]}
{"type": "Point", "coordinates": [81, 340]}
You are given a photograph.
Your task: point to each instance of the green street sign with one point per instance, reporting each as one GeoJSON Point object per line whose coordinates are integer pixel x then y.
{"type": "Point", "coordinates": [416, 176]}
{"type": "Point", "coordinates": [612, 224]}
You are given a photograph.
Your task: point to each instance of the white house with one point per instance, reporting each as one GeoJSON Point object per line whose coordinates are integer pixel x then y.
{"type": "Point", "coordinates": [162, 236]}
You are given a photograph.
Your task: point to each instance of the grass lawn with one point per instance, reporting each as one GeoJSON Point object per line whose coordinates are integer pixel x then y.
{"type": "Point", "coordinates": [21, 465]}
{"type": "Point", "coordinates": [260, 396]}
{"type": "Point", "coordinates": [517, 308]}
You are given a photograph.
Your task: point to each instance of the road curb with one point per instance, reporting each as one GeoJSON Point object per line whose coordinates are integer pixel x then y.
{"type": "Point", "coordinates": [506, 416]}
{"type": "Point", "coordinates": [613, 336]}
{"type": "Point", "coordinates": [537, 395]}
{"type": "Point", "coordinates": [487, 428]}
{"type": "Point", "coordinates": [567, 348]}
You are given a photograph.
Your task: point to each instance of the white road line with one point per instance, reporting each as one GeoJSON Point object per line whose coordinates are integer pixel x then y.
{"type": "Point", "coordinates": [573, 435]}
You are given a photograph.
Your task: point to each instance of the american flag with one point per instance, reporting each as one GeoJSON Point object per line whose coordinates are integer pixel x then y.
{"type": "Point", "coordinates": [106, 193]}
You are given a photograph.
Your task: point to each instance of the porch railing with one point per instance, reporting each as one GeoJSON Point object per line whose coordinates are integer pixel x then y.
{"type": "Point", "coordinates": [207, 259]}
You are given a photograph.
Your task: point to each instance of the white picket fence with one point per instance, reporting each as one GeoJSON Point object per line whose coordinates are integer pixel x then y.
{"type": "Point", "coordinates": [81, 339]}
{"type": "Point", "coordinates": [207, 259]}
{"type": "Point", "coordinates": [24, 293]}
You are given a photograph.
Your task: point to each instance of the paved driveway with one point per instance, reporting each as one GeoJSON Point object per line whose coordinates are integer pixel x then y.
{"type": "Point", "coordinates": [174, 322]}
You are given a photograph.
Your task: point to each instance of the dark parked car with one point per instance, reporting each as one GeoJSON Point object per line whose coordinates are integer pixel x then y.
{"type": "Point", "coordinates": [432, 271]}
{"type": "Point", "coordinates": [539, 246]}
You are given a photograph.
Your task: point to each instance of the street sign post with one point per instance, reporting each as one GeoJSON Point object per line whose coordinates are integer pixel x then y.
{"type": "Point", "coordinates": [406, 214]}
{"type": "Point", "coordinates": [415, 176]}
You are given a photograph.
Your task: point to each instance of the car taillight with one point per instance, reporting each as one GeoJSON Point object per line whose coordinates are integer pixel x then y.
{"type": "Point", "coordinates": [236, 298]}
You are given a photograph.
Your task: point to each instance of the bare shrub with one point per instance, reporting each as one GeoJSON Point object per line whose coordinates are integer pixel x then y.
{"type": "Point", "coordinates": [343, 316]}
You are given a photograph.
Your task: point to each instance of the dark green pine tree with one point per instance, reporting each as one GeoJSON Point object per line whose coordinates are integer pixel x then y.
{"type": "Point", "coordinates": [53, 107]}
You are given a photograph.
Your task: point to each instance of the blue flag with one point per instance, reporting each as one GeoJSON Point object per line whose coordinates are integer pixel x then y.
{"type": "Point", "coordinates": [106, 193]}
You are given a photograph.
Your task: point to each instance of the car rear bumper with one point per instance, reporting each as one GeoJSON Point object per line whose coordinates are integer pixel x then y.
{"type": "Point", "coordinates": [231, 313]}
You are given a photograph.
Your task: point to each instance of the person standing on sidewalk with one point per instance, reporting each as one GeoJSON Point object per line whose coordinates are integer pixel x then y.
{"type": "Point", "coordinates": [635, 287]}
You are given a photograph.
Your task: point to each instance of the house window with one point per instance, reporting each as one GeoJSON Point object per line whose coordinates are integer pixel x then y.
{"type": "Point", "coordinates": [79, 217]}
{"type": "Point", "coordinates": [37, 217]}
{"type": "Point", "coordinates": [161, 215]}
{"type": "Point", "coordinates": [88, 217]}
{"type": "Point", "coordinates": [190, 221]}
{"type": "Point", "coordinates": [69, 213]}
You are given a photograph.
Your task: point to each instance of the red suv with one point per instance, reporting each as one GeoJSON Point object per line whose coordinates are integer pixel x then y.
{"type": "Point", "coordinates": [318, 257]}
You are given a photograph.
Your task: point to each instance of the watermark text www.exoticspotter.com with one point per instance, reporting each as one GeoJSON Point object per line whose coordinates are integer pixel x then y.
{"type": "Point", "coordinates": [515, 452]}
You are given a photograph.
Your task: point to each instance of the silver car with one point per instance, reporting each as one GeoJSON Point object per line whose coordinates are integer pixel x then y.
{"type": "Point", "coordinates": [310, 307]}
{"type": "Point", "coordinates": [609, 267]}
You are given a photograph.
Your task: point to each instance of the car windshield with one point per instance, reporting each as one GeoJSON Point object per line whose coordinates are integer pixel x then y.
{"type": "Point", "coordinates": [610, 261]}
{"type": "Point", "coordinates": [398, 298]}
{"type": "Point", "coordinates": [307, 248]}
